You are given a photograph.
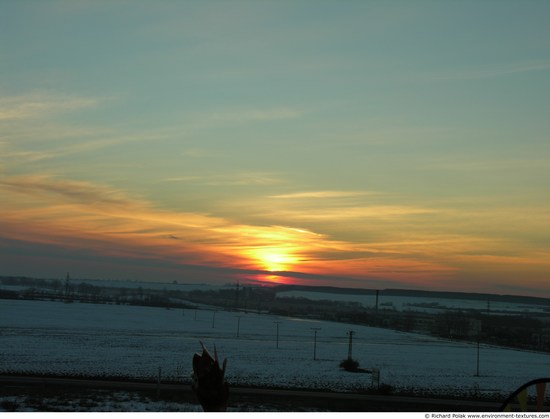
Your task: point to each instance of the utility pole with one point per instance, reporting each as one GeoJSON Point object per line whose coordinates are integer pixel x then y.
{"type": "Point", "coordinates": [478, 329]}
{"type": "Point", "coordinates": [477, 369]}
{"type": "Point", "coordinates": [315, 329]}
{"type": "Point", "coordinates": [238, 325]}
{"type": "Point", "coordinates": [350, 334]}
{"type": "Point", "coordinates": [158, 383]}
{"type": "Point", "coordinates": [213, 318]}
{"type": "Point", "coordinates": [67, 288]}
{"type": "Point", "coordinates": [277, 323]}
{"type": "Point", "coordinates": [68, 293]}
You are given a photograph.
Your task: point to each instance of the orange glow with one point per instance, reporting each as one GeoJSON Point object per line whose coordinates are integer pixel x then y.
{"type": "Point", "coordinates": [84, 216]}
{"type": "Point", "coordinates": [274, 259]}
{"type": "Point", "coordinates": [275, 279]}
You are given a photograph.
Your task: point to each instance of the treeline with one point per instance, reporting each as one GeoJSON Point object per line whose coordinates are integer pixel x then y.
{"type": "Point", "coordinates": [440, 295]}
{"type": "Point", "coordinates": [512, 330]}
{"type": "Point", "coordinates": [67, 291]}
{"type": "Point", "coordinates": [518, 331]}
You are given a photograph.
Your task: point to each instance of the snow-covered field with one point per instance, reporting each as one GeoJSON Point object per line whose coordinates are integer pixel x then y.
{"type": "Point", "coordinates": [92, 400]}
{"type": "Point", "coordinates": [91, 339]}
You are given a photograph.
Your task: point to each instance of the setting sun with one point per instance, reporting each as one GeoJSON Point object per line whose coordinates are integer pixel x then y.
{"type": "Point", "coordinates": [274, 260]}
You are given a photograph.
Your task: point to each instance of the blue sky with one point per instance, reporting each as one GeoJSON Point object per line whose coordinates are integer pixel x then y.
{"type": "Point", "coordinates": [357, 143]}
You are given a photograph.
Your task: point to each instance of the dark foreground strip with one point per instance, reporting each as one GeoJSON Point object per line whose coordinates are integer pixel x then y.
{"type": "Point", "coordinates": [289, 398]}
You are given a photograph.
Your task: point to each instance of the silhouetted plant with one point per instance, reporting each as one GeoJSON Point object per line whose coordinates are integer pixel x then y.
{"type": "Point", "coordinates": [385, 389]}
{"type": "Point", "coordinates": [9, 406]}
{"type": "Point", "coordinates": [208, 381]}
{"type": "Point", "coordinates": [350, 364]}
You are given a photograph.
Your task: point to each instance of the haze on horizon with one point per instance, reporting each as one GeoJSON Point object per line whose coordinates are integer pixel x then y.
{"type": "Point", "coordinates": [345, 143]}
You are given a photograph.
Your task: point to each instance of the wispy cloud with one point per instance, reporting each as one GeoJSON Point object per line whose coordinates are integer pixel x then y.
{"type": "Point", "coordinates": [246, 178]}
{"type": "Point", "coordinates": [83, 192]}
{"type": "Point", "coordinates": [321, 194]}
{"type": "Point", "coordinates": [195, 152]}
{"type": "Point", "coordinates": [31, 144]}
{"type": "Point", "coordinates": [25, 155]}
{"type": "Point", "coordinates": [181, 179]}
{"type": "Point", "coordinates": [346, 214]}
{"type": "Point", "coordinates": [72, 214]}
{"type": "Point", "coordinates": [483, 72]}
{"type": "Point", "coordinates": [68, 213]}
{"type": "Point", "coordinates": [478, 164]}
{"type": "Point", "coordinates": [40, 105]}
{"type": "Point", "coordinates": [230, 179]}
{"type": "Point", "coordinates": [252, 115]}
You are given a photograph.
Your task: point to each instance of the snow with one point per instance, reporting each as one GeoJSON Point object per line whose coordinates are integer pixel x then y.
{"type": "Point", "coordinates": [93, 400]}
{"type": "Point", "coordinates": [95, 339]}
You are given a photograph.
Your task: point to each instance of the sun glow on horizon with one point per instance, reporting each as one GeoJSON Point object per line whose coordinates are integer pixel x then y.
{"type": "Point", "coordinates": [274, 259]}
{"type": "Point", "coordinates": [275, 280]}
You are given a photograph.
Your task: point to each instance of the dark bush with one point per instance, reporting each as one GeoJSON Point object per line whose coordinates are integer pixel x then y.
{"type": "Point", "coordinates": [350, 365]}
{"type": "Point", "coordinates": [385, 389]}
{"type": "Point", "coordinates": [9, 406]}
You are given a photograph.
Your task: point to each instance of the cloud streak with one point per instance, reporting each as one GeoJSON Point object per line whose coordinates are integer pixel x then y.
{"type": "Point", "coordinates": [85, 193]}
{"type": "Point", "coordinates": [230, 179]}
{"type": "Point", "coordinates": [95, 219]}
{"type": "Point", "coordinates": [321, 194]}
{"type": "Point", "coordinates": [495, 71]}
{"type": "Point", "coordinates": [76, 214]}
{"type": "Point", "coordinates": [39, 105]}
{"type": "Point", "coordinates": [255, 115]}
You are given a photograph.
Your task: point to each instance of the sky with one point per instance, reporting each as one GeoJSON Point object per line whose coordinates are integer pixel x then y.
{"type": "Point", "coordinates": [369, 144]}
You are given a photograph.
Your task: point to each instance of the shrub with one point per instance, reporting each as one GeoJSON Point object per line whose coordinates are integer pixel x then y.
{"type": "Point", "coordinates": [385, 389]}
{"type": "Point", "coordinates": [9, 406]}
{"type": "Point", "coordinates": [350, 365]}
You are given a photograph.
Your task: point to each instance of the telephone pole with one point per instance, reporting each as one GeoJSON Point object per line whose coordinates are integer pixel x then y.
{"type": "Point", "coordinates": [315, 329]}
{"type": "Point", "coordinates": [238, 325]}
{"type": "Point", "coordinates": [277, 323]}
{"type": "Point", "coordinates": [477, 366]}
{"type": "Point", "coordinates": [67, 287]}
{"type": "Point", "coordinates": [350, 334]}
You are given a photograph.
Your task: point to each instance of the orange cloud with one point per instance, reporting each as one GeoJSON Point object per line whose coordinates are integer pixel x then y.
{"type": "Point", "coordinates": [71, 214]}
{"type": "Point", "coordinates": [107, 221]}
